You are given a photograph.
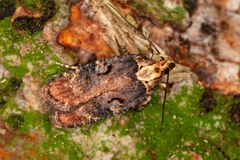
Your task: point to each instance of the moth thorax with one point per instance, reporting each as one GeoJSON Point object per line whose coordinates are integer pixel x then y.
{"type": "Point", "coordinates": [155, 70]}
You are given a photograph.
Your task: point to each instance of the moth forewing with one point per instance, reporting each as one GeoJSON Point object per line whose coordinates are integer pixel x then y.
{"type": "Point", "coordinates": [103, 88]}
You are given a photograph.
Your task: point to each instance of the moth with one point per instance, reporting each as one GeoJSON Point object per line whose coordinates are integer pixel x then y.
{"type": "Point", "coordinates": [103, 88]}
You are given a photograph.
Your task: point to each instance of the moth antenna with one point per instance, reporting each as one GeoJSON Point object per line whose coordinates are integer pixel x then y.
{"type": "Point", "coordinates": [76, 68]}
{"type": "Point", "coordinates": [151, 43]}
{"type": "Point", "coordinates": [164, 102]}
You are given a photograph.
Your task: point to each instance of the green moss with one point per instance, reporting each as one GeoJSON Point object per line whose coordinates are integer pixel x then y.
{"type": "Point", "coordinates": [104, 146]}
{"type": "Point", "coordinates": [30, 3]}
{"type": "Point", "coordinates": [15, 121]}
{"type": "Point", "coordinates": [37, 54]}
{"type": "Point", "coordinates": [186, 131]}
{"type": "Point", "coordinates": [8, 87]}
{"type": "Point", "coordinates": [35, 24]}
{"type": "Point", "coordinates": [35, 5]}
{"type": "Point", "coordinates": [51, 70]}
{"type": "Point", "coordinates": [157, 11]}
{"type": "Point", "coordinates": [53, 139]}
{"type": "Point", "coordinates": [52, 143]}
{"type": "Point", "coordinates": [9, 107]}
{"type": "Point", "coordinates": [17, 71]}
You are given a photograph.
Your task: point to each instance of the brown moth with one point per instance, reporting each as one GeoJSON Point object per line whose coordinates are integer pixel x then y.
{"type": "Point", "coordinates": [103, 88]}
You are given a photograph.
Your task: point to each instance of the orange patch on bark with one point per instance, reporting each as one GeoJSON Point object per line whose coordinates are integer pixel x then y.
{"type": "Point", "coordinates": [3, 154]}
{"type": "Point", "coordinates": [233, 88]}
{"type": "Point", "coordinates": [83, 33]}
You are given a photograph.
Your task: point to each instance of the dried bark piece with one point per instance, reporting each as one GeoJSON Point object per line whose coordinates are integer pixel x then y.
{"type": "Point", "coordinates": [23, 12]}
{"type": "Point", "coordinates": [24, 19]}
{"type": "Point", "coordinates": [103, 88]}
{"type": "Point", "coordinates": [99, 27]}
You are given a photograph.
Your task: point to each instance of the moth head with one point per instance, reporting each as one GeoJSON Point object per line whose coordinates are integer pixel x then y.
{"type": "Point", "coordinates": [150, 71]}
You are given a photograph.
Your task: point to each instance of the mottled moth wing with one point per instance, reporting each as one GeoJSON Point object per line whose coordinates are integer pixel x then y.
{"type": "Point", "coordinates": [103, 88]}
